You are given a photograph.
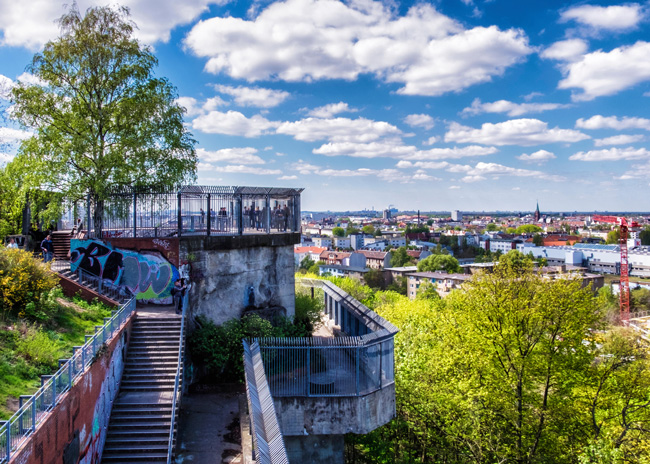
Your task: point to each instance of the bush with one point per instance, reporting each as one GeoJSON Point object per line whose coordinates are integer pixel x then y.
{"type": "Point", "coordinates": [39, 347]}
{"type": "Point", "coordinates": [23, 283]}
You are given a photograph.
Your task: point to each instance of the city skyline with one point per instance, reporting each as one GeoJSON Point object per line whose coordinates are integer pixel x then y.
{"type": "Point", "coordinates": [467, 105]}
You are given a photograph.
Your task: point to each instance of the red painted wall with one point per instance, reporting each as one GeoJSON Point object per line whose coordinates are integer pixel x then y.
{"type": "Point", "coordinates": [76, 413]}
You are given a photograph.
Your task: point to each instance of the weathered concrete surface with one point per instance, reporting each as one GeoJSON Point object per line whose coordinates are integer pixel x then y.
{"type": "Point", "coordinates": [231, 274]}
{"type": "Point", "coordinates": [315, 449]}
{"type": "Point", "coordinates": [333, 416]}
{"type": "Point", "coordinates": [209, 429]}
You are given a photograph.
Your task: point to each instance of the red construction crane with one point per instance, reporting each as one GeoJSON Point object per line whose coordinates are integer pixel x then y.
{"type": "Point", "coordinates": [624, 291]}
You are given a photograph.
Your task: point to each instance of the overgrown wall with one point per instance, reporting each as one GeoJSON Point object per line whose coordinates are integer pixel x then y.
{"type": "Point", "coordinates": [75, 431]}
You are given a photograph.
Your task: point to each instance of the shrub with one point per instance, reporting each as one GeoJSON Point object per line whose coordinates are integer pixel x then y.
{"type": "Point", "coordinates": [23, 281]}
{"type": "Point", "coordinates": [39, 347]}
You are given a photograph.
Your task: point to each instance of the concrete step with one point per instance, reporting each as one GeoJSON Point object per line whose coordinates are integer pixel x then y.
{"type": "Point", "coordinates": [154, 432]}
{"type": "Point", "coordinates": [141, 424]}
{"type": "Point", "coordinates": [135, 458]}
{"type": "Point", "coordinates": [120, 419]}
{"type": "Point", "coordinates": [148, 388]}
{"type": "Point", "coordinates": [129, 448]}
{"type": "Point", "coordinates": [140, 411]}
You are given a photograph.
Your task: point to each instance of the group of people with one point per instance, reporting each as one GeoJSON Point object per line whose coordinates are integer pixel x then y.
{"type": "Point", "coordinates": [254, 218]}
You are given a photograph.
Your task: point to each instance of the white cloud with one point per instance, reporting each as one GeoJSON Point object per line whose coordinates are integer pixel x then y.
{"type": "Point", "coordinates": [539, 156]}
{"type": "Point", "coordinates": [191, 105]}
{"type": "Point", "coordinates": [616, 18]}
{"type": "Point", "coordinates": [431, 140]}
{"type": "Point", "coordinates": [523, 132]}
{"type": "Point", "coordinates": [338, 129]}
{"type": "Point", "coordinates": [30, 79]}
{"type": "Point", "coordinates": [254, 96]}
{"type": "Point", "coordinates": [244, 155]}
{"type": "Point", "coordinates": [419, 120]}
{"type": "Point", "coordinates": [613, 122]}
{"type": "Point", "coordinates": [422, 164]}
{"type": "Point", "coordinates": [638, 171]}
{"type": "Point", "coordinates": [8, 135]}
{"type": "Point", "coordinates": [484, 170]}
{"type": "Point", "coordinates": [233, 123]}
{"type": "Point", "coordinates": [612, 154]}
{"type": "Point", "coordinates": [388, 175]}
{"type": "Point", "coordinates": [288, 178]}
{"type": "Point", "coordinates": [607, 73]}
{"type": "Point", "coordinates": [566, 50]}
{"type": "Point", "coordinates": [622, 139]}
{"type": "Point", "coordinates": [213, 103]}
{"type": "Point", "coordinates": [243, 169]}
{"type": "Point", "coordinates": [454, 187]}
{"type": "Point", "coordinates": [306, 40]}
{"type": "Point", "coordinates": [32, 23]}
{"type": "Point", "coordinates": [451, 153]}
{"type": "Point", "coordinates": [330, 110]}
{"type": "Point", "coordinates": [510, 108]}
{"type": "Point", "coordinates": [6, 84]}
{"type": "Point", "coordinates": [365, 150]}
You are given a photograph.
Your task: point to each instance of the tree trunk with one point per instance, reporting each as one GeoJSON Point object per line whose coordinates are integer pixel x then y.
{"type": "Point", "coordinates": [98, 216]}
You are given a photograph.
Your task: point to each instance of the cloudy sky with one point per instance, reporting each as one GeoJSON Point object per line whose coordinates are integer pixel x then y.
{"type": "Point", "coordinates": [434, 105]}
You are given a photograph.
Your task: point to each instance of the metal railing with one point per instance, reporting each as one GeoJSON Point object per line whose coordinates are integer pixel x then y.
{"type": "Point", "coordinates": [268, 444]}
{"type": "Point", "coordinates": [33, 409]}
{"type": "Point", "coordinates": [196, 210]}
{"type": "Point", "coordinates": [177, 386]}
{"type": "Point", "coordinates": [116, 293]}
{"type": "Point", "coordinates": [359, 362]}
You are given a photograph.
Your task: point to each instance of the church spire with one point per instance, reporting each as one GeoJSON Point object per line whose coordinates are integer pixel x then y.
{"type": "Point", "coordinates": [538, 215]}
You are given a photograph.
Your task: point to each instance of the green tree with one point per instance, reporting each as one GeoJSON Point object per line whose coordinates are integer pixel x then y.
{"type": "Point", "coordinates": [400, 258]}
{"type": "Point", "coordinates": [369, 229]}
{"type": "Point", "coordinates": [338, 232]}
{"type": "Point", "coordinates": [492, 227]}
{"type": "Point", "coordinates": [440, 262]}
{"type": "Point", "coordinates": [516, 261]}
{"type": "Point", "coordinates": [528, 229]}
{"type": "Point", "coordinates": [538, 240]}
{"type": "Point", "coordinates": [102, 120]}
{"type": "Point", "coordinates": [307, 262]}
{"type": "Point", "coordinates": [427, 291]}
{"type": "Point", "coordinates": [352, 231]}
{"type": "Point", "coordinates": [374, 278]}
{"type": "Point", "coordinates": [613, 236]}
{"type": "Point", "coordinates": [644, 236]}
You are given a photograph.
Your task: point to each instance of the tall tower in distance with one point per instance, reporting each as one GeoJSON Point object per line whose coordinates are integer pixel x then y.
{"type": "Point", "coordinates": [537, 215]}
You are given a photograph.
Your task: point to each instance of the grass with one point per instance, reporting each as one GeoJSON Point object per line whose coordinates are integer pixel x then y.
{"type": "Point", "coordinates": [28, 350]}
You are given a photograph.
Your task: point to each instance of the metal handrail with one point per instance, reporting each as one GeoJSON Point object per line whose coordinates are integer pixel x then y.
{"type": "Point", "coordinates": [178, 372]}
{"type": "Point", "coordinates": [268, 443]}
{"type": "Point", "coordinates": [33, 409]}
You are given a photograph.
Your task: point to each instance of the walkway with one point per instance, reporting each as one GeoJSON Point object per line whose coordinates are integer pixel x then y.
{"type": "Point", "coordinates": [209, 430]}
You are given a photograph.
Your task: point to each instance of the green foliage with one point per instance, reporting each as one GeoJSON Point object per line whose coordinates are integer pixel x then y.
{"type": "Point", "coordinates": [24, 283]}
{"type": "Point", "coordinates": [441, 262]}
{"type": "Point", "coordinates": [427, 291]}
{"type": "Point", "coordinates": [103, 119]}
{"type": "Point", "coordinates": [351, 231]}
{"type": "Point", "coordinates": [369, 229]}
{"type": "Point", "coordinates": [410, 229]}
{"type": "Point", "coordinates": [314, 269]}
{"type": "Point", "coordinates": [307, 263]}
{"type": "Point", "coordinates": [538, 240]}
{"type": "Point", "coordinates": [374, 278]}
{"type": "Point", "coordinates": [308, 314]}
{"type": "Point", "coordinates": [400, 258]}
{"type": "Point", "coordinates": [399, 285]}
{"type": "Point", "coordinates": [39, 347]}
{"type": "Point", "coordinates": [491, 227]}
{"type": "Point", "coordinates": [613, 236]}
{"type": "Point", "coordinates": [513, 368]}
{"type": "Point", "coordinates": [338, 232]}
{"type": "Point", "coordinates": [528, 229]}
{"type": "Point", "coordinates": [644, 236]}
{"type": "Point", "coordinates": [219, 349]}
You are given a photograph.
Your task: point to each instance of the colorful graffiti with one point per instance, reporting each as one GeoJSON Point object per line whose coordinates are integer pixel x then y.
{"type": "Point", "coordinates": [147, 274]}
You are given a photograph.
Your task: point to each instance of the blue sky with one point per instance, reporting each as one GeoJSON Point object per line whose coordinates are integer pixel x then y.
{"type": "Point", "coordinates": [461, 104]}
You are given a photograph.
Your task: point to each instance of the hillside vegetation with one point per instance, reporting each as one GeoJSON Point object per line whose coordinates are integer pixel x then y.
{"type": "Point", "coordinates": [38, 326]}
{"type": "Point", "coordinates": [514, 368]}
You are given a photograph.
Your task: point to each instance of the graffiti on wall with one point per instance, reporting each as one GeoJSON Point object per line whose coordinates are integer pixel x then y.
{"type": "Point", "coordinates": [147, 274]}
{"type": "Point", "coordinates": [93, 441]}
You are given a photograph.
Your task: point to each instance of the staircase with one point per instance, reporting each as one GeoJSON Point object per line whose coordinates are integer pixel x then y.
{"type": "Point", "coordinates": [61, 244]}
{"type": "Point", "coordinates": [141, 416]}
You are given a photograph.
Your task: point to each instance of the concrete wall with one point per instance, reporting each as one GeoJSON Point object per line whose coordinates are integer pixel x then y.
{"type": "Point", "coordinates": [235, 274]}
{"type": "Point", "coordinates": [335, 416]}
{"type": "Point", "coordinates": [75, 431]}
{"type": "Point", "coordinates": [315, 449]}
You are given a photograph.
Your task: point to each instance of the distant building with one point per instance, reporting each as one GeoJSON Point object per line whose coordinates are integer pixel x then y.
{"type": "Point", "coordinates": [456, 215]}
{"type": "Point", "coordinates": [441, 281]}
{"type": "Point", "coordinates": [301, 252]}
{"type": "Point", "coordinates": [387, 215]}
{"type": "Point", "coordinates": [357, 241]}
{"type": "Point", "coordinates": [322, 241]}
{"type": "Point", "coordinates": [377, 259]}
{"type": "Point", "coordinates": [537, 216]}
{"type": "Point", "coordinates": [341, 242]}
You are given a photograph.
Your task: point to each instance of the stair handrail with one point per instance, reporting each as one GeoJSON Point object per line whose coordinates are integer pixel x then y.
{"type": "Point", "coordinates": [34, 409]}
{"type": "Point", "coordinates": [185, 302]}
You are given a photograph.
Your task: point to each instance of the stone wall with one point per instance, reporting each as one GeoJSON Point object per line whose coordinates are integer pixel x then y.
{"type": "Point", "coordinates": [232, 275]}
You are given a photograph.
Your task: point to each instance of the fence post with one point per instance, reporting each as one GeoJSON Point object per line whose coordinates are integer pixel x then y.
{"type": "Point", "coordinates": [309, 371]}
{"type": "Point", "coordinates": [88, 224]}
{"type": "Point", "coordinates": [209, 213]}
{"type": "Point", "coordinates": [267, 216]}
{"type": "Point", "coordinates": [358, 367]}
{"type": "Point", "coordinates": [240, 215]}
{"type": "Point", "coordinates": [180, 215]}
{"type": "Point", "coordinates": [135, 214]}
{"type": "Point", "coordinates": [8, 434]}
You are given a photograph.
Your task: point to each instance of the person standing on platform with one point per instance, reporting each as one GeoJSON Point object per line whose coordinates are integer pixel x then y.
{"type": "Point", "coordinates": [47, 248]}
